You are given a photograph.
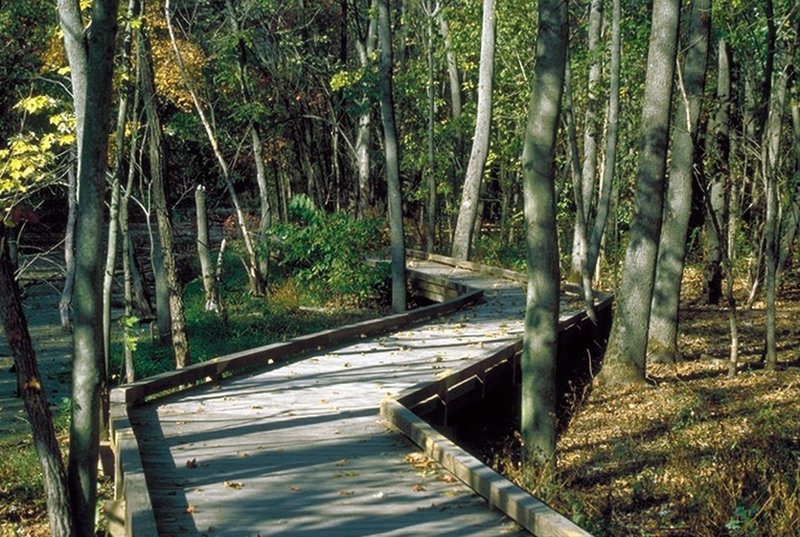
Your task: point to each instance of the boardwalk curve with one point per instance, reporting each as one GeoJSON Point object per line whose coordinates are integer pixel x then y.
{"type": "Point", "coordinates": [301, 449]}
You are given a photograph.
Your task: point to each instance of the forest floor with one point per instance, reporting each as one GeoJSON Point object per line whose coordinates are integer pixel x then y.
{"type": "Point", "coordinates": [693, 454]}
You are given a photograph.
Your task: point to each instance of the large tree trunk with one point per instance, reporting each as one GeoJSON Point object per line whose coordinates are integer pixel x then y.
{"type": "Point", "coordinates": [625, 356]}
{"type": "Point", "coordinates": [462, 238]}
{"type": "Point", "coordinates": [663, 335]}
{"type": "Point", "coordinates": [538, 171]}
{"type": "Point", "coordinates": [93, 54]}
{"type": "Point", "coordinates": [719, 154]}
{"type": "Point", "coordinates": [180, 341]}
{"type": "Point", "coordinates": [34, 397]}
{"type": "Point", "coordinates": [612, 128]}
{"type": "Point", "coordinates": [392, 148]}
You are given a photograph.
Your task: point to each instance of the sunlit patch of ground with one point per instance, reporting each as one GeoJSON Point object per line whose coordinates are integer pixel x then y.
{"type": "Point", "coordinates": [695, 453]}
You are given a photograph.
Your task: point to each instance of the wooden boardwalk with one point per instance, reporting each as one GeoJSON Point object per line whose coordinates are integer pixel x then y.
{"type": "Point", "coordinates": [301, 450]}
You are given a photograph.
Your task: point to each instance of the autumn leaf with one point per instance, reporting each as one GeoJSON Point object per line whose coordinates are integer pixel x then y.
{"type": "Point", "coordinates": [233, 485]}
{"type": "Point", "coordinates": [191, 463]}
{"type": "Point", "coordinates": [191, 508]}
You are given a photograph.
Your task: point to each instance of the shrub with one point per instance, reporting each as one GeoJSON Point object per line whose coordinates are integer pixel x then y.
{"type": "Point", "coordinates": [328, 252]}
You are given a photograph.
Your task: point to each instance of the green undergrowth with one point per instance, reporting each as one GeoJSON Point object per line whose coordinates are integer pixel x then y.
{"type": "Point", "coordinates": [22, 503]}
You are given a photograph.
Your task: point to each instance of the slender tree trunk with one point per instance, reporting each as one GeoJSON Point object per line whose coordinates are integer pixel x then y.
{"type": "Point", "coordinates": [119, 161]}
{"type": "Point", "coordinates": [590, 133]}
{"type": "Point", "coordinates": [454, 82]}
{"type": "Point", "coordinates": [771, 158]}
{"type": "Point", "coordinates": [254, 277]}
{"type": "Point", "coordinates": [625, 356]}
{"type": "Point", "coordinates": [662, 345]}
{"type": "Point", "coordinates": [65, 303]}
{"type": "Point", "coordinates": [612, 129]}
{"type": "Point", "coordinates": [92, 51]}
{"type": "Point", "coordinates": [392, 148]}
{"type": "Point", "coordinates": [34, 397]}
{"type": "Point", "coordinates": [180, 341]}
{"type": "Point", "coordinates": [462, 238]}
{"type": "Point", "coordinates": [542, 304]}
{"type": "Point", "coordinates": [124, 226]}
{"type": "Point", "coordinates": [365, 48]}
{"type": "Point", "coordinates": [203, 252]}
{"type": "Point", "coordinates": [719, 153]}
{"type": "Point", "coordinates": [265, 221]}
{"type": "Point", "coordinates": [580, 240]}
{"type": "Point", "coordinates": [430, 208]}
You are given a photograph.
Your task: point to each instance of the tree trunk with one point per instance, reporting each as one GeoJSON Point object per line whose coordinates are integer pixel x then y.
{"type": "Point", "coordinates": [462, 238]}
{"type": "Point", "coordinates": [255, 279]}
{"type": "Point", "coordinates": [662, 346]}
{"type": "Point", "coordinates": [542, 304]}
{"type": "Point", "coordinates": [612, 128]}
{"type": "Point", "coordinates": [65, 303]}
{"type": "Point", "coordinates": [719, 154]}
{"type": "Point", "coordinates": [580, 240]}
{"type": "Point", "coordinates": [265, 221]}
{"type": "Point", "coordinates": [590, 132]}
{"type": "Point", "coordinates": [34, 397]}
{"type": "Point", "coordinates": [365, 48]}
{"type": "Point", "coordinates": [771, 158]}
{"type": "Point", "coordinates": [392, 149]}
{"type": "Point", "coordinates": [625, 356]}
{"type": "Point", "coordinates": [180, 341]}
{"type": "Point", "coordinates": [93, 50]}
{"type": "Point", "coordinates": [430, 208]}
{"type": "Point", "coordinates": [212, 302]}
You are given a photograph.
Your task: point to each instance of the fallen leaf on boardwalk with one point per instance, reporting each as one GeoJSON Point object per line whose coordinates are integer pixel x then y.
{"type": "Point", "coordinates": [346, 492]}
{"type": "Point", "coordinates": [347, 364]}
{"type": "Point", "coordinates": [256, 407]}
{"type": "Point", "coordinates": [191, 508]}
{"type": "Point", "coordinates": [342, 462]}
{"type": "Point", "coordinates": [295, 488]}
{"type": "Point", "coordinates": [447, 478]}
{"type": "Point", "coordinates": [233, 484]}
{"type": "Point", "coordinates": [191, 463]}
{"type": "Point", "coordinates": [418, 488]}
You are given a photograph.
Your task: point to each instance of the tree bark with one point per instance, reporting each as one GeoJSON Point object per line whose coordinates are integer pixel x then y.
{"type": "Point", "coordinates": [94, 51]}
{"type": "Point", "coordinates": [542, 303]}
{"type": "Point", "coordinates": [430, 208]}
{"type": "Point", "coordinates": [612, 131]}
{"type": "Point", "coordinates": [180, 341]}
{"type": "Point", "coordinates": [662, 346]}
{"type": "Point", "coordinates": [590, 132]}
{"type": "Point", "coordinates": [627, 346]}
{"type": "Point", "coordinates": [65, 302]}
{"type": "Point", "coordinates": [719, 154]}
{"type": "Point", "coordinates": [365, 47]}
{"type": "Point", "coordinates": [462, 237]}
{"type": "Point", "coordinates": [212, 302]}
{"type": "Point", "coordinates": [392, 148]}
{"type": "Point", "coordinates": [34, 397]}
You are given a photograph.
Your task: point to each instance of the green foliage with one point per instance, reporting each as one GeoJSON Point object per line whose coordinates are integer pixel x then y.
{"type": "Point", "coordinates": [327, 252]}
